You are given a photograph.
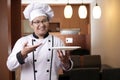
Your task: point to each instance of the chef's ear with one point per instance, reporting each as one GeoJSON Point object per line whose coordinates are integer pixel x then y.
{"type": "Point", "coordinates": [31, 24]}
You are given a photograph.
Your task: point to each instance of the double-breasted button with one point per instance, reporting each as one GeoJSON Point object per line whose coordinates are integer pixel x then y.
{"type": "Point", "coordinates": [35, 60]}
{"type": "Point", "coordinates": [47, 70]}
{"type": "Point", "coordinates": [33, 40]}
{"type": "Point", "coordinates": [48, 40]}
{"type": "Point", "coordinates": [48, 60]}
{"type": "Point", "coordinates": [35, 71]}
{"type": "Point", "coordinates": [49, 49]}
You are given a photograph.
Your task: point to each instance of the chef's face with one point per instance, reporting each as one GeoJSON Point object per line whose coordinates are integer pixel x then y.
{"type": "Point", "coordinates": [40, 25]}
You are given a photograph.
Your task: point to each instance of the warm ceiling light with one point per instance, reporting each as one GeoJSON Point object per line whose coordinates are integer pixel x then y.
{"type": "Point", "coordinates": [82, 12]}
{"type": "Point", "coordinates": [68, 11]}
{"type": "Point", "coordinates": [96, 11]}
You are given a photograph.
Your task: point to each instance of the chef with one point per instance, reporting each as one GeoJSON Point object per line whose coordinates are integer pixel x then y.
{"type": "Point", "coordinates": [33, 53]}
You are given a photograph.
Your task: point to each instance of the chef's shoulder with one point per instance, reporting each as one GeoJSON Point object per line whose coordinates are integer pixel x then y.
{"type": "Point", "coordinates": [24, 39]}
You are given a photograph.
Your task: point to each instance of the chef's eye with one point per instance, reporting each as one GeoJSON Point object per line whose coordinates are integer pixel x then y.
{"type": "Point", "coordinates": [44, 21]}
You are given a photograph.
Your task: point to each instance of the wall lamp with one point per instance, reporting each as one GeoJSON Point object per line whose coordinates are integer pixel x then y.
{"type": "Point", "coordinates": [68, 11]}
{"type": "Point", "coordinates": [96, 11]}
{"type": "Point", "coordinates": [82, 11]}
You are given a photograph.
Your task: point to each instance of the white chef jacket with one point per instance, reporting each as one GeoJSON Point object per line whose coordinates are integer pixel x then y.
{"type": "Point", "coordinates": [42, 58]}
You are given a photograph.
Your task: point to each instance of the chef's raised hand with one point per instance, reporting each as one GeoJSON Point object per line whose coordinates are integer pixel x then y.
{"type": "Point", "coordinates": [27, 49]}
{"type": "Point", "coordinates": [64, 58]}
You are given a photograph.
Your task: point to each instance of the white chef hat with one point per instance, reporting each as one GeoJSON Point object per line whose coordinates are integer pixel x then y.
{"type": "Point", "coordinates": [34, 10]}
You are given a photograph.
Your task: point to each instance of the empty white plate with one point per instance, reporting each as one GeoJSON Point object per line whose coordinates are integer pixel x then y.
{"type": "Point", "coordinates": [66, 47]}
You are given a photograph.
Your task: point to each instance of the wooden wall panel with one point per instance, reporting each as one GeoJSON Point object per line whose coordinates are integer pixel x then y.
{"type": "Point", "coordinates": [4, 73]}
{"type": "Point", "coordinates": [10, 30]}
{"type": "Point", "coordinates": [78, 40]}
{"type": "Point", "coordinates": [74, 22]}
{"type": "Point", "coordinates": [15, 21]}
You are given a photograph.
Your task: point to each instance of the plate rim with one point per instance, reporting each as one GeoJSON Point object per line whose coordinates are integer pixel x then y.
{"type": "Point", "coordinates": [66, 47]}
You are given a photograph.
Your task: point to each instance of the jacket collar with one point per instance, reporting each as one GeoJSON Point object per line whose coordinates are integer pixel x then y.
{"type": "Point", "coordinates": [35, 36]}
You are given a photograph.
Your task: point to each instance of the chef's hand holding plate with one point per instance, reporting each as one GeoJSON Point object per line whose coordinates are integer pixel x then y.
{"type": "Point", "coordinates": [64, 58]}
